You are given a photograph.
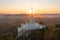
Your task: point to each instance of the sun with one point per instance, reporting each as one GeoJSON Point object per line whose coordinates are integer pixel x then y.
{"type": "Point", "coordinates": [31, 11]}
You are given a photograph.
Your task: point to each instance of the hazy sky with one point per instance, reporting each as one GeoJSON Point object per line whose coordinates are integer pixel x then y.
{"type": "Point", "coordinates": [22, 6]}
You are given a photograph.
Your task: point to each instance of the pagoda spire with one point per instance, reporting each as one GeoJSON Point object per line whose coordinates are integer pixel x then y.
{"type": "Point", "coordinates": [32, 12]}
{"type": "Point", "coordinates": [31, 21]}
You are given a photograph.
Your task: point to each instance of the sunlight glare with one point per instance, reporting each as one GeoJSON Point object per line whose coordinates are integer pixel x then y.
{"type": "Point", "coordinates": [31, 11]}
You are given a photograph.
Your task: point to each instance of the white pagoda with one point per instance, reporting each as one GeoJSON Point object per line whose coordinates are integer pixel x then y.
{"type": "Point", "coordinates": [27, 28]}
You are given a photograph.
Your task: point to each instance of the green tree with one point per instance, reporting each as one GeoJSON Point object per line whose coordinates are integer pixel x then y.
{"type": "Point", "coordinates": [56, 35]}
{"type": "Point", "coordinates": [57, 26]}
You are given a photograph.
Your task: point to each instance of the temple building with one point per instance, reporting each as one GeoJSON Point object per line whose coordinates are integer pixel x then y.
{"type": "Point", "coordinates": [31, 30]}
